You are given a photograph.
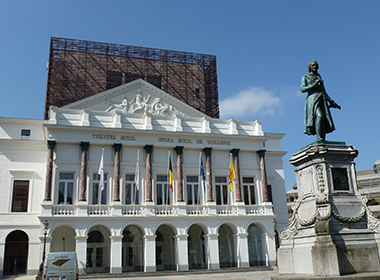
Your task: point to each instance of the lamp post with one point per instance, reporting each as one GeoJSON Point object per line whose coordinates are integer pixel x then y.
{"type": "Point", "coordinates": [275, 236]}
{"type": "Point", "coordinates": [46, 226]}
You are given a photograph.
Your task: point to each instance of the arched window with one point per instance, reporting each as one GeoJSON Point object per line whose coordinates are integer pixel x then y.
{"type": "Point", "coordinates": [16, 253]}
{"type": "Point", "coordinates": [95, 237]}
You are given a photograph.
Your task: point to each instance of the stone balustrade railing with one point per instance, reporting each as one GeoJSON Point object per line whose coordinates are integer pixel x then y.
{"type": "Point", "coordinates": [55, 210]}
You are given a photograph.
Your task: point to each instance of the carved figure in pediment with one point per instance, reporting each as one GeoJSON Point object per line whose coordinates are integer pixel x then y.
{"type": "Point", "coordinates": [158, 108]}
{"type": "Point", "coordinates": [122, 106]}
{"type": "Point", "coordinates": [139, 103]}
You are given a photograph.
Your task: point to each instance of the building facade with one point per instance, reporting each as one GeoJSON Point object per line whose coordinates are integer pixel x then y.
{"type": "Point", "coordinates": [138, 221]}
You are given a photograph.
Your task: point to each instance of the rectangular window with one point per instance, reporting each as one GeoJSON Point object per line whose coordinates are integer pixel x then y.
{"type": "Point", "coordinates": [192, 187]}
{"type": "Point", "coordinates": [340, 179]}
{"type": "Point", "coordinates": [131, 77]}
{"type": "Point", "coordinates": [65, 188]}
{"type": "Point", "coordinates": [20, 196]}
{"type": "Point", "coordinates": [156, 81]}
{"type": "Point", "coordinates": [25, 132]}
{"type": "Point", "coordinates": [131, 194]}
{"type": "Point", "coordinates": [163, 190]}
{"type": "Point", "coordinates": [98, 191]}
{"type": "Point", "coordinates": [248, 191]}
{"type": "Point", "coordinates": [270, 193]}
{"type": "Point", "coordinates": [221, 189]}
{"type": "Point", "coordinates": [114, 79]}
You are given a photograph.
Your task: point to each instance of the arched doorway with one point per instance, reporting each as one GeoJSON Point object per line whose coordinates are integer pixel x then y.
{"type": "Point", "coordinates": [63, 239]}
{"type": "Point", "coordinates": [165, 258]}
{"type": "Point", "coordinates": [226, 247]}
{"type": "Point", "coordinates": [255, 246]}
{"type": "Point", "coordinates": [133, 245]}
{"type": "Point", "coordinates": [16, 253]}
{"type": "Point", "coordinates": [196, 247]}
{"type": "Point", "coordinates": [98, 250]}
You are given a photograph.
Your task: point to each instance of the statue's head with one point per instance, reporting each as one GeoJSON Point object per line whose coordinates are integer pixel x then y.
{"type": "Point", "coordinates": [313, 65]}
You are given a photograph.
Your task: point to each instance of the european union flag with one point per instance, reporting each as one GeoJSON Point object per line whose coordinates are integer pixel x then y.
{"type": "Point", "coordinates": [202, 174]}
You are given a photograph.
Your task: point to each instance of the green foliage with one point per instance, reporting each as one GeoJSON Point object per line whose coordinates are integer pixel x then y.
{"type": "Point", "coordinates": [373, 201]}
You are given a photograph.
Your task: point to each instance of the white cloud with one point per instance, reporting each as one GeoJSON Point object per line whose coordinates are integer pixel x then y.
{"type": "Point", "coordinates": [251, 101]}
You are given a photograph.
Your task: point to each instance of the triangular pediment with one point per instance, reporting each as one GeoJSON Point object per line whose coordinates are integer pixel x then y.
{"type": "Point", "coordinates": [137, 97]}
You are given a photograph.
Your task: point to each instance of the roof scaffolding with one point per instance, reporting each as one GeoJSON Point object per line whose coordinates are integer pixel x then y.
{"type": "Point", "coordinates": [79, 69]}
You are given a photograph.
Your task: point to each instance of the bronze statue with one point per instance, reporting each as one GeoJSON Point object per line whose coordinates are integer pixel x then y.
{"type": "Point", "coordinates": [318, 119]}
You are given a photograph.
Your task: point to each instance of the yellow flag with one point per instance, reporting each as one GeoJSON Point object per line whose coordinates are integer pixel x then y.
{"type": "Point", "coordinates": [231, 176]}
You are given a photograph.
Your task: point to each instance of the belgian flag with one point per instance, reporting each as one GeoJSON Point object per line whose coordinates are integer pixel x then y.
{"type": "Point", "coordinates": [170, 174]}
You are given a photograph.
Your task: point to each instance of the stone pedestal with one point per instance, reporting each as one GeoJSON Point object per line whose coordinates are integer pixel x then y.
{"type": "Point", "coordinates": [328, 233]}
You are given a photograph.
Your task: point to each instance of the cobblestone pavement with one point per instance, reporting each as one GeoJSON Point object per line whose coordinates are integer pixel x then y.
{"type": "Point", "coordinates": [256, 275]}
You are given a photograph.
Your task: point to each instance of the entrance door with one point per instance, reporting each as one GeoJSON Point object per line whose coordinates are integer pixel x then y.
{"type": "Point", "coordinates": [255, 246]}
{"type": "Point", "coordinates": [226, 247]}
{"type": "Point", "coordinates": [98, 260]}
{"type": "Point", "coordinates": [16, 253]}
{"type": "Point", "coordinates": [165, 248]}
{"type": "Point", "coordinates": [132, 254]}
{"type": "Point", "coordinates": [196, 248]}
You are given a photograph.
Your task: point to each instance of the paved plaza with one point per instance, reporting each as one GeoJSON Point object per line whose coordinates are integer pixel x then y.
{"type": "Point", "coordinates": [251, 274]}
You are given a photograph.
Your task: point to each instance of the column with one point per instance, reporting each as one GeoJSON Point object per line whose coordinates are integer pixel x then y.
{"type": "Point", "coordinates": [2, 252]}
{"type": "Point", "coordinates": [149, 253]}
{"type": "Point", "coordinates": [207, 152]}
{"type": "Point", "coordinates": [213, 251]}
{"type": "Point", "coordinates": [83, 171]}
{"type": "Point", "coordinates": [81, 250]}
{"type": "Point", "coordinates": [179, 150]}
{"type": "Point", "coordinates": [116, 254]}
{"type": "Point", "coordinates": [270, 249]}
{"type": "Point", "coordinates": [49, 169]}
{"type": "Point", "coordinates": [242, 249]}
{"type": "Point", "coordinates": [116, 172]}
{"type": "Point", "coordinates": [235, 154]}
{"type": "Point", "coordinates": [182, 252]}
{"type": "Point", "coordinates": [148, 177]}
{"type": "Point", "coordinates": [264, 183]}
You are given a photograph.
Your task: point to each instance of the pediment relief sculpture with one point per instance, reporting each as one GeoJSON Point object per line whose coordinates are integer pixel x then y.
{"type": "Point", "coordinates": [140, 105]}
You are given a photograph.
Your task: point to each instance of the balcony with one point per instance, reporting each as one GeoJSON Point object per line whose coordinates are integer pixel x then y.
{"type": "Point", "coordinates": [84, 210]}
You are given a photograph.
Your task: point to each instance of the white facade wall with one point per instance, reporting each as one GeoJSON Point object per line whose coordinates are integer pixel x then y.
{"type": "Point", "coordinates": [72, 226]}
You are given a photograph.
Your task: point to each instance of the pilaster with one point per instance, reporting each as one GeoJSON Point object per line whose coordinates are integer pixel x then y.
{"type": "Point", "coordinates": [116, 174]}
{"type": "Point", "coordinates": [182, 252]}
{"type": "Point", "coordinates": [148, 179]}
{"type": "Point", "coordinates": [49, 169]}
{"type": "Point", "coordinates": [83, 171]}
{"type": "Point", "coordinates": [149, 253]}
{"type": "Point", "coordinates": [81, 250]}
{"type": "Point", "coordinates": [210, 196]}
{"type": "Point", "coordinates": [179, 150]}
{"type": "Point", "coordinates": [116, 253]}
{"type": "Point", "coordinates": [213, 249]}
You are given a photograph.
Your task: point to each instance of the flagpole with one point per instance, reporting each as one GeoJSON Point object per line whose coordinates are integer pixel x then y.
{"type": "Point", "coordinates": [137, 179]}
{"type": "Point", "coordinates": [201, 182]}
{"type": "Point", "coordinates": [168, 186]}
{"type": "Point", "coordinates": [101, 180]}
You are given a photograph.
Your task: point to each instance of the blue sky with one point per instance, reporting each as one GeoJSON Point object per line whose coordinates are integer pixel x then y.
{"type": "Point", "coordinates": [262, 49]}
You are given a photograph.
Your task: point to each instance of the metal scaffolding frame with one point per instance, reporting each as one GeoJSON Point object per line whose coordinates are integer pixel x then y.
{"type": "Point", "coordinates": [79, 69]}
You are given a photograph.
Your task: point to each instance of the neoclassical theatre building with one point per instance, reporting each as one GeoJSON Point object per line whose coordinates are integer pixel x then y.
{"type": "Point", "coordinates": [134, 221]}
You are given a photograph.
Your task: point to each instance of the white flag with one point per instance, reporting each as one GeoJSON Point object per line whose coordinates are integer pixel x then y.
{"type": "Point", "coordinates": [101, 172]}
{"type": "Point", "coordinates": [137, 174]}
